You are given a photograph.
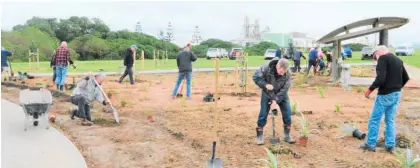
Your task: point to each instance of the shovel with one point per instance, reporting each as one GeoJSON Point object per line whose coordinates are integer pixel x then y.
{"type": "Point", "coordinates": [274, 139]}
{"type": "Point", "coordinates": [179, 94]}
{"type": "Point", "coordinates": [215, 162]}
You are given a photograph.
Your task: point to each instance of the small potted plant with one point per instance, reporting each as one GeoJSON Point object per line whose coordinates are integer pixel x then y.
{"type": "Point", "coordinates": [304, 130]}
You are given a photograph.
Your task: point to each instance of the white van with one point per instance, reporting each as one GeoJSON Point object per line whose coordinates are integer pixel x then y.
{"type": "Point", "coordinates": [213, 53]}
{"type": "Point", "coordinates": [404, 50]}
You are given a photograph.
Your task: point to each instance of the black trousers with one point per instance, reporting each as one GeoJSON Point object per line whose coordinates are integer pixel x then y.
{"type": "Point", "coordinates": [53, 74]}
{"type": "Point", "coordinates": [128, 71]}
{"type": "Point", "coordinates": [297, 65]}
{"type": "Point", "coordinates": [83, 110]}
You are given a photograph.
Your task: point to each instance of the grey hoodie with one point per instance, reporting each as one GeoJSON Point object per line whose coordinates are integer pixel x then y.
{"type": "Point", "coordinates": [88, 89]}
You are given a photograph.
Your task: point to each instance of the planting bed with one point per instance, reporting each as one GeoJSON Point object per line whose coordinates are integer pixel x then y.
{"type": "Point", "coordinates": [157, 131]}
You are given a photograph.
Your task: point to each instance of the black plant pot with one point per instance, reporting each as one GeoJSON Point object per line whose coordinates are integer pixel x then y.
{"type": "Point", "coordinates": [359, 134]}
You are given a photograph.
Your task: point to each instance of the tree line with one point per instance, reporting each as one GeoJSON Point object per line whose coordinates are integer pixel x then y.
{"type": "Point", "coordinates": [91, 39]}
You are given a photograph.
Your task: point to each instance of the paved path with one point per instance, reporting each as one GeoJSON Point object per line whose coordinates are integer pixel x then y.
{"type": "Point", "coordinates": [35, 148]}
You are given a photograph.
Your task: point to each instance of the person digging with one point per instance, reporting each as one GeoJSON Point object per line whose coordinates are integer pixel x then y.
{"type": "Point", "coordinates": [274, 80]}
{"type": "Point", "coordinates": [84, 94]}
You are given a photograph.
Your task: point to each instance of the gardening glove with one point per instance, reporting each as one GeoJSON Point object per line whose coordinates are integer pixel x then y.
{"type": "Point", "coordinates": [367, 93]}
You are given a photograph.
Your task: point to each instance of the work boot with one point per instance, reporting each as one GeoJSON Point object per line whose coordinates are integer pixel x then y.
{"type": "Point", "coordinates": [364, 146]}
{"type": "Point", "coordinates": [58, 87]}
{"type": "Point", "coordinates": [72, 113]}
{"type": "Point", "coordinates": [86, 122]}
{"type": "Point", "coordinates": [260, 137]}
{"type": "Point", "coordinates": [390, 149]}
{"type": "Point", "coordinates": [287, 137]}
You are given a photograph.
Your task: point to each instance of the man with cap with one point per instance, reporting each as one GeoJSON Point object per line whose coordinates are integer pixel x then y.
{"type": "Point", "coordinates": [129, 58]}
{"type": "Point", "coordinates": [391, 76]}
{"type": "Point", "coordinates": [84, 94]}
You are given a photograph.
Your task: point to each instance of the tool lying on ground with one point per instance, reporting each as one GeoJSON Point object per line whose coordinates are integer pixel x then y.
{"type": "Point", "coordinates": [179, 94]}
{"type": "Point", "coordinates": [24, 76]}
{"type": "Point", "coordinates": [274, 139]}
{"type": "Point", "coordinates": [209, 97]}
{"type": "Point", "coordinates": [214, 162]}
{"type": "Point", "coordinates": [114, 111]}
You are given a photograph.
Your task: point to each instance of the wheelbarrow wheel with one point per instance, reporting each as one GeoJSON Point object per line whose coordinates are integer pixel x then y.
{"type": "Point", "coordinates": [35, 123]}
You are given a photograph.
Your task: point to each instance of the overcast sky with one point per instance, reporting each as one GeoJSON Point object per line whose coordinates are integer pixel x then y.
{"type": "Point", "coordinates": [222, 20]}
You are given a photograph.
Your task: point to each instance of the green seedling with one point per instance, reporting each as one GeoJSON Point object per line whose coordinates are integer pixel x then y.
{"type": "Point", "coordinates": [294, 107]}
{"type": "Point", "coordinates": [337, 108]}
{"type": "Point", "coordinates": [406, 159]}
{"type": "Point", "coordinates": [123, 103]}
{"type": "Point", "coordinates": [321, 91]}
{"type": "Point", "coordinates": [361, 90]}
{"type": "Point", "coordinates": [272, 162]}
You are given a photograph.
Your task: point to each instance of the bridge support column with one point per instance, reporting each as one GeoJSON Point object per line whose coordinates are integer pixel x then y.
{"type": "Point", "coordinates": [336, 60]}
{"type": "Point", "coordinates": [383, 37]}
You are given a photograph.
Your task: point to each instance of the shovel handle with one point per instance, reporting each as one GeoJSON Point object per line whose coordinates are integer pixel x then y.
{"type": "Point", "coordinates": [213, 155]}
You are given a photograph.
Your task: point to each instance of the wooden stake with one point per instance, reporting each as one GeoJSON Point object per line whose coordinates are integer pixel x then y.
{"type": "Point", "coordinates": [166, 55]}
{"type": "Point", "coordinates": [154, 57]}
{"type": "Point", "coordinates": [216, 100]}
{"type": "Point", "coordinates": [29, 60]}
{"type": "Point", "coordinates": [134, 66]}
{"type": "Point", "coordinates": [158, 58]}
{"type": "Point", "coordinates": [142, 63]}
{"type": "Point", "coordinates": [37, 57]}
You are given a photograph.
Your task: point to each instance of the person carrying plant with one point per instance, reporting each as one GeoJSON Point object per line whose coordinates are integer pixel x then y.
{"type": "Point", "coordinates": [84, 94]}
{"type": "Point", "coordinates": [391, 76]}
{"type": "Point", "coordinates": [61, 61]}
{"type": "Point", "coordinates": [128, 63]}
{"type": "Point", "coordinates": [274, 80]}
{"type": "Point", "coordinates": [184, 62]}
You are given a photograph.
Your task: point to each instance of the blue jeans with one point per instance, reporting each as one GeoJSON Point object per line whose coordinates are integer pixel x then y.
{"type": "Point", "coordinates": [60, 74]}
{"type": "Point", "coordinates": [383, 104]}
{"type": "Point", "coordinates": [181, 76]}
{"type": "Point", "coordinates": [285, 109]}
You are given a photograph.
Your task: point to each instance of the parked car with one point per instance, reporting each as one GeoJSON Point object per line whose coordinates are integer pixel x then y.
{"type": "Point", "coordinates": [367, 53]}
{"type": "Point", "coordinates": [213, 53]}
{"type": "Point", "coordinates": [224, 53]}
{"type": "Point", "coordinates": [404, 51]}
{"type": "Point", "coordinates": [270, 54]}
{"type": "Point", "coordinates": [233, 52]}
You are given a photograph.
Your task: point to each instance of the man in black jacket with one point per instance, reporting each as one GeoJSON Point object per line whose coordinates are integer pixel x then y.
{"type": "Point", "coordinates": [184, 62]}
{"type": "Point", "coordinates": [128, 62]}
{"type": "Point", "coordinates": [274, 80]}
{"type": "Point", "coordinates": [391, 76]}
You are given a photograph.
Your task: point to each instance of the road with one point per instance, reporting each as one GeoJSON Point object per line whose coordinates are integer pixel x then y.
{"type": "Point", "coordinates": [35, 148]}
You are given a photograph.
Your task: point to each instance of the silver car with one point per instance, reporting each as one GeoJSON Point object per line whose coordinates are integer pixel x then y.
{"type": "Point", "coordinates": [367, 53]}
{"type": "Point", "coordinates": [270, 54]}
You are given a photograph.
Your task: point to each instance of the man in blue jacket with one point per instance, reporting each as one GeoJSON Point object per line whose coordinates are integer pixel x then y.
{"type": "Point", "coordinates": [313, 59]}
{"type": "Point", "coordinates": [278, 53]}
{"type": "Point", "coordinates": [4, 55]}
{"type": "Point", "coordinates": [274, 80]}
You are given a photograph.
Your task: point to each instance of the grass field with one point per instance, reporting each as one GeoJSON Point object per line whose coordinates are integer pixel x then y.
{"type": "Point", "coordinates": [116, 65]}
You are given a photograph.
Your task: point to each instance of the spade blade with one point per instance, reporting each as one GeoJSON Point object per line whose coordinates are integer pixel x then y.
{"type": "Point", "coordinates": [214, 163]}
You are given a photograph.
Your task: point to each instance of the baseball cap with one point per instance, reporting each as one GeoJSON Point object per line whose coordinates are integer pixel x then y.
{"type": "Point", "coordinates": [134, 46]}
